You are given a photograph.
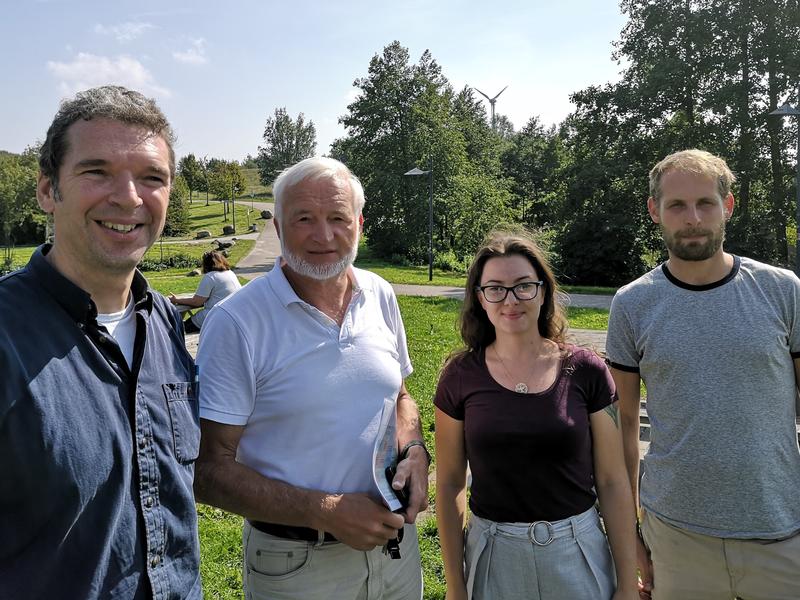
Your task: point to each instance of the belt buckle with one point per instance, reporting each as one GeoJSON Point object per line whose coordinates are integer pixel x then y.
{"type": "Point", "coordinates": [532, 532]}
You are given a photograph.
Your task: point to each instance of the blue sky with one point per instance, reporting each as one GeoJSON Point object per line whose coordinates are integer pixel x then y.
{"type": "Point", "coordinates": [218, 69]}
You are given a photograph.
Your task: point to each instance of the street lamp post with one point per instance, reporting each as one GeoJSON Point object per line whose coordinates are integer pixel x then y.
{"type": "Point", "coordinates": [787, 110]}
{"type": "Point", "coordinates": [414, 172]}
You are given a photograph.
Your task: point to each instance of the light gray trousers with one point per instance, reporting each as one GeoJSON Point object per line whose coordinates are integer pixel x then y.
{"type": "Point", "coordinates": [562, 560]}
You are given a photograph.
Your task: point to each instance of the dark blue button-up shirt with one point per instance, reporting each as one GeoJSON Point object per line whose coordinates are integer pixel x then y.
{"type": "Point", "coordinates": [96, 458]}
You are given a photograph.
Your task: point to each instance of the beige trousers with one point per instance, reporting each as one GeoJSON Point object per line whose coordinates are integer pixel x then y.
{"type": "Point", "coordinates": [692, 566]}
{"type": "Point", "coordinates": [279, 569]}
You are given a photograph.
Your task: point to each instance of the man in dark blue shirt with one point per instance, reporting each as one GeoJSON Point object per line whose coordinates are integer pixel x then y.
{"type": "Point", "coordinates": [98, 408]}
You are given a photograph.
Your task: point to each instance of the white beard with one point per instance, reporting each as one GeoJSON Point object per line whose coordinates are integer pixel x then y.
{"type": "Point", "coordinates": [318, 272]}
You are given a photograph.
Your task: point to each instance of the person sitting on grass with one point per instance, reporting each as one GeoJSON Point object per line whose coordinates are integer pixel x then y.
{"type": "Point", "coordinates": [218, 283]}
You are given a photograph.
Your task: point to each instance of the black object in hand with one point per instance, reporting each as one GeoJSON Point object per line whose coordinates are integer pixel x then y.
{"type": "Point", "coordinates": [402, 494]}
{"type": "Point", "coordinates": [393, 546]}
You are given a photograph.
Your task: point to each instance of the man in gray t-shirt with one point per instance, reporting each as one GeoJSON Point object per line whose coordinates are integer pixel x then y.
{"type": "Point", "coordinates": [716, 340]}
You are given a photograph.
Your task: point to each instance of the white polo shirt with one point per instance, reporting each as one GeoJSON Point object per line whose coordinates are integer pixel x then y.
{"type": "Point", "coordinates": [309, 393]}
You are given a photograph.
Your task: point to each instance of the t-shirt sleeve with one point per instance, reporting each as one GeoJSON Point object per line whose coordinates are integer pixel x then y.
{"type": "Point", "coordinates": [794, 318]}
{"type": "Point", "coordinates": [206, 286]}
{"type": "Point", "coordinates": [597, 381]}
{"type": "Point", "coordinates": [620, 344]}
{"type": "Point", "coordinates": [227, 375]}
{"type": "Point", "coordinates": [449, 398]}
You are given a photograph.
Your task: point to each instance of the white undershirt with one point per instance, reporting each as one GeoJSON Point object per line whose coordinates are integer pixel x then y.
{"type": "Point", "coordinates": [122, 327]}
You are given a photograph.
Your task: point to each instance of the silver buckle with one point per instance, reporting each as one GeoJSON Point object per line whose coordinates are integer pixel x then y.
{"type": "Point", "coordinates": [532, 532]}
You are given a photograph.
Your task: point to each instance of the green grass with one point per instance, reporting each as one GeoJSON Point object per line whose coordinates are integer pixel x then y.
{"type": "Point", "coordinates": [221, 553]}
{"type": "Point", "coordinates": [211, 218]}
{"type": "Point", "coordinates": [587, 318]}
{"type": "Point", "coordinates": [254, 185]}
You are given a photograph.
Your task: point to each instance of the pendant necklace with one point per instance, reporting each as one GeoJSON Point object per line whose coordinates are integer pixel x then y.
{"type": "Point", "coordinates": [521, 387]}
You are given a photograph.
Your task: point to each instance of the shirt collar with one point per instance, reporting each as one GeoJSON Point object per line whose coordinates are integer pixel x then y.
{"type": "Point", "coordinates": [285, 292]}
{"type": "Point", "coordinates": [76, 301]}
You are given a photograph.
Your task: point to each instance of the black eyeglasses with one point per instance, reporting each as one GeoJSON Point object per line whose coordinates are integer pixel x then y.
{"type": "Point", "coordinates": [522, 291]}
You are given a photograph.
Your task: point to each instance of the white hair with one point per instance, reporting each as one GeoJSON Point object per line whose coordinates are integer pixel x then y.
{"type": "Point", "coordinates": [311, 169]}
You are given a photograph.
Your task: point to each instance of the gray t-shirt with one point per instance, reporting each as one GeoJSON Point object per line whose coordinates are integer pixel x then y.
{"type": "Point", "coordinates": [717, 362]}
{"type": "Point", "coordinates": [216, 286]}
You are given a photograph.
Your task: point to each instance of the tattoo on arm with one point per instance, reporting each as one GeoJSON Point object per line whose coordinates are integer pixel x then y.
{"type": "Point", "coordinates": [613, 412]}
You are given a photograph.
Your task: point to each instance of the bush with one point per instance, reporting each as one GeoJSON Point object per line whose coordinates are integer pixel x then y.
{"type": "Point", "coordinates": [448, 261]}
{"type": "Point", "coordinates": [176, 261]}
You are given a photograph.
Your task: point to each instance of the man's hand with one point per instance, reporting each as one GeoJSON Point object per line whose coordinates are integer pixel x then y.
{"type": "Point", "coordinates": [412, 472]}
{"type": "Point", "coordinates": [173, 298]}
{"type": "Point", "coordinates": [645, 570]}
{"type": "Point", "coordinates": [359, 521]}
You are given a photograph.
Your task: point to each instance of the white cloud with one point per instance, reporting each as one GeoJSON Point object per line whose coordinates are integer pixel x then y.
{"type": "Point", "coordinates": [194, 55]}
{"type": "Point", "coordinates": [124, 32]}
{"type": "Point", "coordinates": [89, 70]}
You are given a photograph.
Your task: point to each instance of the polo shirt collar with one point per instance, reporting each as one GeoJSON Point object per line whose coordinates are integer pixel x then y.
{"type": "Point", "coordinates": [284, 290]}
{"type": "Point", "coordinates": [76, 301]}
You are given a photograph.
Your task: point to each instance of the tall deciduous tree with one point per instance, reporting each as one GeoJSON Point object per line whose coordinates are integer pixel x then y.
{"type": "Point", "coordinates": [21, 220]}
{"type": "Point", "coordinates": [286, 142]}
{"type": "Point", "coordinates": [192, 172]}
{"type": "Point", "coordinates": [407, 115]}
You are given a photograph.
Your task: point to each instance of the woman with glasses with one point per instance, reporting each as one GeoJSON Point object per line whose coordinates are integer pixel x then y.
{"type": "Point", "coordinates": [536, 419]}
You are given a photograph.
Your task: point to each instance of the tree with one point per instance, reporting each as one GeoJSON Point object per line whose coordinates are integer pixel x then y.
{"type": "Point", "coordinates": [286, 142]}
{"type": "Point", "coordinates": [407, 115]}
{"type": "Point", "coordinates": [177, 222]}
{"type": "Point", "coordinates": [21, 220]}
{"type": "Point", "coordinates": [226, 182]}
{"type": "Point", "coordinates": [192, 172]}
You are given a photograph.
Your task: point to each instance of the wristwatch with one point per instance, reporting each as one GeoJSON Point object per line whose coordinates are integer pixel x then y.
{"type": "Point", "coordinates": [404, 451]}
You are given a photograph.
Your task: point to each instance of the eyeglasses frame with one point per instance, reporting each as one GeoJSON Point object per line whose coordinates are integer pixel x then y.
{"type": "Point", "coordinates": [513, 289]}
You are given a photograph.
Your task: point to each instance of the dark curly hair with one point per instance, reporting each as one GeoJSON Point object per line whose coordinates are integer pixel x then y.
{"type": "Point", "coordinates": [111, 102]}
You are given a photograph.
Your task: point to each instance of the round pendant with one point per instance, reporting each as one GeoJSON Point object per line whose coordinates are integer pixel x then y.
{"type": "Point", "coordinates": [521, 388]}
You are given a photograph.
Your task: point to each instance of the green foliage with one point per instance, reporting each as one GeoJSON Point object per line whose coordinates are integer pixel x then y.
{"type": "Point", "coordinates": [286, 142]}
{"type": "Point", "coordinates": [407, 115]}
{"type": "Point", "coordinates": [177, 222]}
{"type": "Point", "coordinates": [226, 179]}
{"type": "Point", "coordinates": [172, 261]}
{"type": "Point", "coordinates": [21, 220]}
{"type": "Point", "coordinates": [192, 172]}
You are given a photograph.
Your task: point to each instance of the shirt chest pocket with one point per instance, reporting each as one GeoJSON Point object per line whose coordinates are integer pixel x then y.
{"type": "Point", "coordinates": [183, 414]}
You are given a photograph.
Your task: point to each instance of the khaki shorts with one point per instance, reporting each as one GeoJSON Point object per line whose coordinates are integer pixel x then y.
{"type": "Point", "coordinates": [692, 566]}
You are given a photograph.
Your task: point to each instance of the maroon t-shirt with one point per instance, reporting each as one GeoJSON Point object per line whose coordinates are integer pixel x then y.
{"type": "Point", "coordinates": [530, 454]}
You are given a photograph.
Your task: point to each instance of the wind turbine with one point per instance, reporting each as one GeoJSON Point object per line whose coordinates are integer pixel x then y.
{"type": "Point", "coordinates": [492, 102]}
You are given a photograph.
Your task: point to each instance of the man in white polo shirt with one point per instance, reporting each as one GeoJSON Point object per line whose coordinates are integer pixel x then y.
{"type": "Point", "coordinates": [297, 370]}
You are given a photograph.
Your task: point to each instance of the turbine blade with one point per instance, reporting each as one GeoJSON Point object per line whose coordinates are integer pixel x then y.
{"type": "Point", "coordinates": [500, 92]}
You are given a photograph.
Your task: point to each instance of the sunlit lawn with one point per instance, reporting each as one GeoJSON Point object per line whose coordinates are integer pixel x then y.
{"type": "Point", "coordinates": [210, 218]}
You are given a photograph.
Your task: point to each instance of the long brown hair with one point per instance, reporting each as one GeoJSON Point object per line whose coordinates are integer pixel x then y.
{"type": "Point", "coordinates": [477, 332]}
